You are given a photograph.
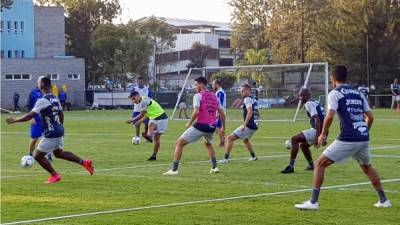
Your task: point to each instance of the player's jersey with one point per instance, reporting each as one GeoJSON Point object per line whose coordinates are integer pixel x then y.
{"type": "Point", "coordinates": [395, 88]}
{"type": "Point", "coordinates": [208, 106]}
{"type": "Point", "coordinates": [153, 109]}
{"type": "Point", "coordinates": [49, 109]}
{"type": "Point", "coordinates": [364, 90]}
{"type": "Point", "coordinates": [313, 108]}
{"type": "Point", "coordinates": [350, 106]}
{"type": "Point", "coordinates": [251, 102]}
{"type": "Point", "coordinates": [143, 92]}
{"type": "Point", "coordinates": [221, 97]}
{"type": "Point", "coordinates": [33, 97]}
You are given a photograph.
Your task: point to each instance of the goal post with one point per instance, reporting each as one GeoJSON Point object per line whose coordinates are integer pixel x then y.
{"type": "Point", "coordinates": [311, 70]}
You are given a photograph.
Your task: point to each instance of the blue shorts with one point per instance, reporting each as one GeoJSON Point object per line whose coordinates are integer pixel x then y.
{"type": "Point", "coordinates": [36, 130]}
{"type": "Point", "coordinates": [219, 123]}
{"type": "Point", "coordinates": [135, 114]}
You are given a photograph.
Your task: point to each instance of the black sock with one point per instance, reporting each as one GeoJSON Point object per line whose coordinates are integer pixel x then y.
{"type": "Point", "coordinates": [226, 156]}
{"type": "Point", "coordinates": [382, 196]}
{"type": "Point", "coordinates": [311, 163]}
{"type": "Point", "coordinates": [214, 162]}
{"type": "Point", "coordinates": [291, 163]}
{"type": "Point", "coordinates": [314, 195]}
{"type": "Point", "coordinates": [252, 154]}
{"type": "Point", "coordinates": [175, 165]}
{"type": "Point", "coordinates": [81, 162]}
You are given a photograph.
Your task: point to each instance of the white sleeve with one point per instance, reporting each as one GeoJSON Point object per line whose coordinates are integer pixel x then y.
{"type": "Point", "coordinates": [311, 108]}
{"type": "Point", "coordinates": [40, 104]}
{"type": "Point", "coordinates": [391, 86]}
{"type": "Point", "coordinates": [144, 104]}
{"type": "Point", "coordinates": [365, 104]}
{"type": "Point", "coordinates": [333, 100]}
{"type": "Point", "coordinates": [248, 102]}
{"type": "Point", "coordinates": [196, 100]}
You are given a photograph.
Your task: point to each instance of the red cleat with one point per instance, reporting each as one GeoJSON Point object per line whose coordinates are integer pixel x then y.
{"type": "Point", "coordinates": [53, 179]}
{"type": "Point", "coordinates": [87, 164]}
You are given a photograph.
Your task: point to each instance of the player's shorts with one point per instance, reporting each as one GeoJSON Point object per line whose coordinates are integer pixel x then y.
{"type": "Point", "coordinates": [397, 98]}
{"type": "Point", "coordinates": [243, 134]}
{"type": "Point", "coordinates": [182, 105]}
{"type": "Point", "coordinates": [135, 114]}
{"type": "Point", "coordinates": [161, 125]}
{"type": "Point", "coordinates": [48, 145]}
{"type": "Point", "coordinates": [193, 134]}
{"type": "Point", "coordinates": [310, 135]}
{"type": "Point", "coordinates": [340, 151]}
{"type": "Point", "coordinates": [36, 129]}
{"type": "Point", "coordinates": [219, 123]}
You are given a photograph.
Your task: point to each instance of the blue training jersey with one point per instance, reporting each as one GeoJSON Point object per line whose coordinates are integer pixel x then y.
{"type": "Point", "coordinates": [33, 97]}
{"type": "Point", "coordinates": [313, 108]}
{"type": "Point", "coordinates": [49, 109]}
{"type": "Point", "coordinates": [221, 97]}
{"type": "Point", "coordinates": [350, 106]}
{"type": "Point", "coordinates": [251, 102]}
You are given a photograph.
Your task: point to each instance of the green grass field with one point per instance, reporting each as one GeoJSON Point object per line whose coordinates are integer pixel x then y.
{"type": "Point", "coordinates": [123, 178]}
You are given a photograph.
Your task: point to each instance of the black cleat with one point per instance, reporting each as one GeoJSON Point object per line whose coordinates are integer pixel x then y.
{"type": "Point", "coordinates": [288, 169]}
{"type": "Point", "coordinates": [145, 136]}
{"type": "Point", "coordinates": [152, 158]}
{"type": "Point", "coordinates": [310, 167]}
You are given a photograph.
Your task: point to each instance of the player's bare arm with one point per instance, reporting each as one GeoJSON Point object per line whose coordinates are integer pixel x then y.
{"type": "Point", "coordinates": [23, 118]}
{"type": "Point", "coordinates": [322, 139]}
{"type": "Point", "coordinates": [195, 113]}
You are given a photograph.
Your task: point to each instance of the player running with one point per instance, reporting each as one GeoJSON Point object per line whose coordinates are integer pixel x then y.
{"type": "Point", "coordinates": [158, 120]}
{"type": "Point", "coordinates": [249, 127]}
{"type": "Point", "coordinates": [220, 93]}
{"type": "Point", "coordinates": [143, 91]}
{"type": "Point", "coordinates": [356, 119]}
{"type": "Point", "coordinates": [202, 124]}
{"type": "Point", "coordinates": [52, 117]}
{"type": "Point", "coordinates": [309, 137]}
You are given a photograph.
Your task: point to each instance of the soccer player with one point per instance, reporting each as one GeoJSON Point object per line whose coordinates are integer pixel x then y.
{"type": "Point", "coordinates": [52, 117]}
{"type": "Point", "coordinates": [309, 137]}
{"type": "Point", "coordinates": [202, 124]}
{"type": "Point", "coordinates": [364, 89]}
{"type": "Point", "coordinates": [220, 93]}
{"type": "Point", "coordinates": [249, 127]}
{"type": "Point", "coordinates": [395, 88]}
{"type": "Point", "coordinates": [143, 91]}
{"type": "Point", "coordinates": [158, 120]}
{"type": "Point", "coordinates": [356, 119]}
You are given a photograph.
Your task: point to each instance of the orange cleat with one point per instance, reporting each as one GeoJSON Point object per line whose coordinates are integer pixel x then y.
{"type": "Point", "coordinates": [53, 179]}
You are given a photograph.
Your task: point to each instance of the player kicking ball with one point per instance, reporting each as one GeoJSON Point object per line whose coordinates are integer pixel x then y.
{"type": "Point", "coordinates": [52, 117]}
{"type": "Point", "coordinates": [202, 124]}
{"type": "Point", "coordinates": [158, 120]}
{"type": "Point", "coordinates": [356, 119]}
{"type": "Point", "coordinates": [249, 127]}
{"type": "Point", "coordinates": [309, 137]}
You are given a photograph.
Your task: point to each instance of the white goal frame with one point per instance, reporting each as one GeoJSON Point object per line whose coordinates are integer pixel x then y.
{"type": "Point", "coordinates": [309, 65]}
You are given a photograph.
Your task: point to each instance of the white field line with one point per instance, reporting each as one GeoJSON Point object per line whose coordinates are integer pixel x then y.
{"type": "Point", "coordinates": [187, 203]}
{"type": "Point", "coordinates": [386, 156]}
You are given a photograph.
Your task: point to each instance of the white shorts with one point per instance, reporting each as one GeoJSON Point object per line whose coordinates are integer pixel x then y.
{"type": "Point", "coordinates": [48, 145]}
{"type": "Point", "coordinates": [310, 135]}
{"type": "Point", "coordinates": [161, 125]}
{"type": "Point", "coordinates": [192, 135]}
{"type": "Point", "coordinates": [182, 105]}
{"type": "Point", "coordinates": [396, 98]}
{"type": "Point", "coordinates": [243, 134]}
{"type": "Point", "coordinates": [340, 151]}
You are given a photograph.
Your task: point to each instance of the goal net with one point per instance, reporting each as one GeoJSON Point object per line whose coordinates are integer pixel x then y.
{"type": "Point", "coordinates": [275, 86]}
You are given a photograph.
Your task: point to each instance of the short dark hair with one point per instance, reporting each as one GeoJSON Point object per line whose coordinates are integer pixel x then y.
{"type": "Point", "coordinates": [201, 80]}
{"type": "Point", "coordinates": [133, 93]}
{"type": "Point", "coordinates": [46, 81]}
{"type": "Point", "coordinates": [247, 86]}
{"type": "Point", "coordinates": [140, 78]}
{"type": "Point", "coordinates": [340, 73]}
{"type": "Point", "coordinates": [304, 90]}
{"type": "Point", "coordinates": [218, 82]}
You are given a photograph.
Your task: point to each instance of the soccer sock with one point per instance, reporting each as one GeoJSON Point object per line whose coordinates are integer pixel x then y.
{"type": "Point", "coordinates": [314, 195]}
{"type": "Point", "coordinates": [252, 154]}
{"type": "Point", "coordinates": [226, 156]}
{"type": "Point", "coordinates": [382, 196]}
{"type": "Point", "coordinates": [311, 163]}
{"type": "Point", "coordinates": [175, 165]}
{"type": "Point", "coordinates": [81, 162]}
{"type": "Point", "coordinates": [291, 163]}
{"type": "Point", "coordinates": [214, 162]}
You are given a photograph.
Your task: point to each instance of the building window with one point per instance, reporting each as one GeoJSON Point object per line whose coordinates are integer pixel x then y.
{"type": "Point", "coordinates": [16, 26]}
{"type": "Point", "coordinates": [22, 54]}
{"type": "Point", "coordinates": [224, 43]}
{"type": "Point", "coordinates": [1, 26]}
{"type": "Point", "coordinates": [2, 53]}
{"type": "Point", "coordinates": [18, 77]}
{"type": "Point", "coordinates": [52, 76]}
{"type": "Point", "coordinates": [74, 76]}
{"type": "Point", "coordinates": [8, 26]}
{"type": "Point", "coordinates": [16, 53]}
{"type": "Point", "coordinates": [9, 54]}
{"type": "Point", "coordinates": [22, 26]}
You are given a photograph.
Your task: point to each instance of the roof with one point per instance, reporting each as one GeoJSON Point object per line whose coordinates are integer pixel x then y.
{"type": "Point", "coordinates": [196, 24]}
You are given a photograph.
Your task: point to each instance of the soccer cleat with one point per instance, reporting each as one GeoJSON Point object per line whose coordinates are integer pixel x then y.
{"type": "Point", "coordinates": [307, 206]}
{"type": "Point", "coordinates": [87, 164]}
{"type": "Point", "coordinates": [53, 179]}
{"type": "Point", "coordinates": [310, 167]}
{"type": "Point", "coordinates": [253, 158]}
{"type": "Point", "coordinates": [385, 204]}
{"type": "Point", "coordinates": [147, 137]}
{"type": "Point", "coordinates": [224, 161]}
{"type": "Point", "coordinates": [215, 170]}
{"type": "Point", "coordinates": [171, 173]}
{"type": "Point", "coordinates": [152, 158]}
{"type": "Point", "coordinates": [288, 169]}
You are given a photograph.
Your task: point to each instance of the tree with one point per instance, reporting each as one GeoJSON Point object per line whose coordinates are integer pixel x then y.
{"type": "Point", "coordinates": [254, 57]}
{"type": "Point", "coordinates": [81, 19]}
{"type": "Point", "coordinates": [227, 79]}
{"type": "Point", "coordinates": [7, 4]}
{"type": "Point", "coordinates": [198, 55]}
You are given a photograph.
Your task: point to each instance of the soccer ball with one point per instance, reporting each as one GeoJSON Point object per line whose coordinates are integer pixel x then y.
{"type": "Point", "coordinates": [27, 161]}
{"type": "Point", "coordinates": [288, 144]}
{"type": "Point", "coordinates": [136, 140]}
